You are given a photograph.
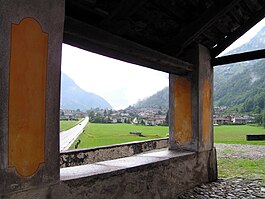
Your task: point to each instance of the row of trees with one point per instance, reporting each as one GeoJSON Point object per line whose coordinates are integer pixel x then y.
{"type": "Point", "coordinates": [260, 119]}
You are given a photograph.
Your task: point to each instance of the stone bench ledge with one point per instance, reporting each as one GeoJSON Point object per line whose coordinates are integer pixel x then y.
{"type": "Point", "coordinates": [115, 167]}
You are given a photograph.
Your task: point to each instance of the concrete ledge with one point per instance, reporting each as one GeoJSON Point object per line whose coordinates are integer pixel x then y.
{"type": "Point", "coordinates": [119, 165]}
{"type": "Point", "coordinates": [91, 155]}
{"type": "Point", "coordinates": [163, 174]}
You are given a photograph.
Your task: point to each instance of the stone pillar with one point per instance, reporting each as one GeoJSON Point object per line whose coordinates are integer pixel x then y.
{"type": "Point", "coordinates": [31, 34]}
{"type": "Point", "coordinates": [191, 105]}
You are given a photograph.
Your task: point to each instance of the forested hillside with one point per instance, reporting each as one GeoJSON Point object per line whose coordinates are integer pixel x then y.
{"type": "Point", "coordinates": [244, 90]}
{"type": "Point", "coordinates": [158, 100]}
{"type": "Point", "coordinates": [241, 87]}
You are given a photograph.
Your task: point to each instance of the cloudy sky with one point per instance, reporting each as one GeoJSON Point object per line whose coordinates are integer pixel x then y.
{"type": "Point", "coordinates": [120, 83]}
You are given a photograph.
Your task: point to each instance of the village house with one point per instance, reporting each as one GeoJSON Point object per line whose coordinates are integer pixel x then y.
{"type": "Point", "coordinates": [222, 120]}
{"type": "Point", "coordinates": [67, 114]}
{"type": "Point", "coordinates": [242, 119]}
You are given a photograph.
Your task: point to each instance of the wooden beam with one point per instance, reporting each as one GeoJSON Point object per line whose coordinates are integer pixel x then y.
{"type": "Point", "coordinates": [123, 11]}
{"type": "Point", "coordinates": [90, 38]}
{"type": "Point", "coordinates": [224, 43]}
{"type": "Point", "coordinates": [175, 11]}
{"type": "Point", "coordinates": [247, 56]}
{"type": "Point", "coordinates": [83, 12]}
{"type": "Point", "coordinates": [208, 18]}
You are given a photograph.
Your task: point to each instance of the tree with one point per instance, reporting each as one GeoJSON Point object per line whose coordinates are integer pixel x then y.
{"type": "Point", "coordinates": [258, 119]}
{"type": "Point", "coordinates": [263, 119]}
{"type": "Point", "coordinates": [91, 115]}
{"type": "Point", "coordinates": [167, 117]}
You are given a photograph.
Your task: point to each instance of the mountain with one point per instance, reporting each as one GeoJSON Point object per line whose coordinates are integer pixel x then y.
{"type": "Point", "coordinates": [243, 91]}
{"type": "Point", "coordinates": [241, 86]}
{"type": "Point", "coordinates": [256, 43]}
{"type": "Point", "coordinates": [158, 100]}
{"type": "Point", "coordinates": [73, 97]}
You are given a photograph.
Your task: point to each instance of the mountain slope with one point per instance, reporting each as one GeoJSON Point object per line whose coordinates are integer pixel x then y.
{"type": "Point", "coordinates": [73, 97]}
{"type": "Point", "coordinates": [225, 72]}
{"type": "Point", "coordinates": [158, 100]}
{"type": "Point", "coordinates": [240, 86]}
{"type": "Point", "coordinates": [244, 91]}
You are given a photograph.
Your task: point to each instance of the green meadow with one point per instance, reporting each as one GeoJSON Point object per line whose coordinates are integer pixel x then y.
{"type": "Point", "coordinates": [107, 134]}
{"type": "Point", "coordinates": [65, 125]}
{"type": "Point", "coordinates": [236, 134]}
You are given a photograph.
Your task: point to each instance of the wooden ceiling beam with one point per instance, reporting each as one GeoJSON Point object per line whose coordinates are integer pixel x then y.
{"type": "Point", "coordinates": [83, 12]}
{"type": "Point", "coordinates": [240, 57]}
{"type": "Point", "coordinates": [90, 38]}
{"type": "Point", "coordinates": [208, 18]}
{"type": "Point", "coordinates": [123, 11]}
{"type": "Point", "coordinates": [179, 13]}
{"type": "Point", "coordinates": [230, 38]}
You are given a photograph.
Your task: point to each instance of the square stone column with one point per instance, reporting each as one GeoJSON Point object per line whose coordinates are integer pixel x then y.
{"type": "Point", "coordinates": [191, 105]}
{"type": "Point", "coordinates": [31, 34]}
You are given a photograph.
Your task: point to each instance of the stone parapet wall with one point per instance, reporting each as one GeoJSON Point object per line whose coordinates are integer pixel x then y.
{"type": "Point", "coordinates": [91, 155]}
{"type": "Point", "coordinates": [162, 174]}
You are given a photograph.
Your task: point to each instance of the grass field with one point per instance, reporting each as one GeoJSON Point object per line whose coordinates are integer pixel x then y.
{"type": "Point", "coordinates": [236, 134]}
{"type": "Point", "coordinates": [234, 167]}
{"type": "Point", "coordinates": [65, 125]}
{"type": "Point", "coordinates": [107, 134]}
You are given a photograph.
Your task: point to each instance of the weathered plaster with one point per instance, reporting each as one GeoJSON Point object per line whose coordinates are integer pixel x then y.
{"type": "Point", "coordinates": [27, 88]}
{"type": "Point", "coordinates": [182, 110]}
{"type": "Point", "coordinates": [205, 83]}
{"type": "Point", "coordinates": [206, 112]}
{"type": "Point", "coordinates": [201, 104]}
{"type": "Point", "coordinates": [12, 12]}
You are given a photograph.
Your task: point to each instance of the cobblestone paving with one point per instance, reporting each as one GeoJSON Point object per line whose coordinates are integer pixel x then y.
{"type": "Point", "coordinates": [232, 188]}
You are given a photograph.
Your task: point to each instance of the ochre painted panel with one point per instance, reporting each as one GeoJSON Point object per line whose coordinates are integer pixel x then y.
{"type": "Point", "coordinates": [182, 110]}
{"type": "Point", "coordinates": [206, 111]}
{"type": "Point", "coordinates": [27, 88]}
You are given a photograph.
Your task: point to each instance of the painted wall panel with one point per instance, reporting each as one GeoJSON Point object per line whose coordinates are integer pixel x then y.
{"type": "Point", "coordinates": [206, 112]}
{"type": "Point", "coordinates": [182, 110]}
{"type": "Point", "coordinates": [27, 90]}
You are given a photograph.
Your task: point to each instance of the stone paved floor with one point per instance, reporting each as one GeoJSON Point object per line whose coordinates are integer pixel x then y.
{"type": "Point", "coordinates": [233, 188]}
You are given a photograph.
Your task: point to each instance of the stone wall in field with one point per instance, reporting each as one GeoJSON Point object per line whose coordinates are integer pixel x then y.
{"type": "Point", "coordinates": [91, 155]}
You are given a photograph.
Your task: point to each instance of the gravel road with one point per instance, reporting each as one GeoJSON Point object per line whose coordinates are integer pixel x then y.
{"type": "Point", "coordinates": [252, 152]}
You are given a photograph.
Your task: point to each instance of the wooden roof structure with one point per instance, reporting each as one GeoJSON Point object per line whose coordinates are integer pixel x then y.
{"type": "Point", "coordinates": [158, 32]}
